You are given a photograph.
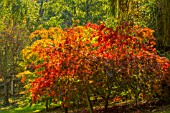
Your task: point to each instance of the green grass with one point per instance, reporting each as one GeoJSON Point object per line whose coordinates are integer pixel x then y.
{"type": "Point", "coordinates": [32, 109]}
{"type": "Point", "coordinates": [19, 105]}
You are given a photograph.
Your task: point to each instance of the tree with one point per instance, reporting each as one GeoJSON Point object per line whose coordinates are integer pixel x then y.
{"type": "Point", "coordinates": [147, 13]}
{"type": "Point", "coordinates": [13, 38]}
{"type": "Point", "coordinates": [162, 22]}
{"type": "Point", "coordinates": [84, 61]}
{"type": "Point", "coordinates": [65, 13]}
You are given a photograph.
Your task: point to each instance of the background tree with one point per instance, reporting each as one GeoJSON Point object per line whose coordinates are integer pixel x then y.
{"type": "Point", "coordinates": [16, 19]}
{"type": "Point", "coordinates": [147, 13]}
{"type": "Point", "coordinates": [161, 25]}
{"type": "Point", "coordinates": [65, 13]}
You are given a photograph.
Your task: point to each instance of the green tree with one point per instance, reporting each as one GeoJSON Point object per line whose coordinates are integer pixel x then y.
{"type": "Point", "coordinates": [162, 24]}
{"type": "Point", "coordinates": [147, 13]}
{"type": "Point", "coordinates": [16, 21]}
{"type": "Point", "coordinates": [65, 13]}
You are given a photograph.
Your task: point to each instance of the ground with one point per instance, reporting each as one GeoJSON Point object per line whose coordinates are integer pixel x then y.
{"type": "Point", "coordinates": [18, 106]}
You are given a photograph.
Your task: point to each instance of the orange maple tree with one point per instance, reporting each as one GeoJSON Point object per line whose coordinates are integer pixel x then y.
{"type": "Point", "coordinates": [94, 60]}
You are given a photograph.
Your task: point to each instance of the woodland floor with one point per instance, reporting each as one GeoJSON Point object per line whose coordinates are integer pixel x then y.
{"type": "Point", "coordinates": [17, 105]}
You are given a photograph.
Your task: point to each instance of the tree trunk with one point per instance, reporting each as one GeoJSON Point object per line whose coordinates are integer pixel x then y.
{"type": "Point", "coordinates": [6, 98]}
{"type": "Point", "coordinates": [12, 85]}
{"type": "Point", "coordinates": [88, 5]}
{"type": "Point", "coordinates": [41, 11]}
{"type": "Point", "coordinates": [46, 105]}
{"type": "Point", "coordinates": [65, 109]}
{"type": "Point", "coordinates": [89, 103]}
{"type": "Point", "coordinates": [106, 105]}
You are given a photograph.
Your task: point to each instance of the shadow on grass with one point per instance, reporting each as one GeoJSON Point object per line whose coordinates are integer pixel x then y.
{"type": "Point", "coordinates": [20, 109]}
{"type": "Point", "coordinates": [18, 105]}
{"type": "Point", "coordinates": [34, 108]}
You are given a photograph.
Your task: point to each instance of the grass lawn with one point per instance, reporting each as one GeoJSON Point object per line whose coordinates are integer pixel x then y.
{"type": "Point", "coordinates": [18, 105]}
{"type": "Point", "coordinates": [32, 109]}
